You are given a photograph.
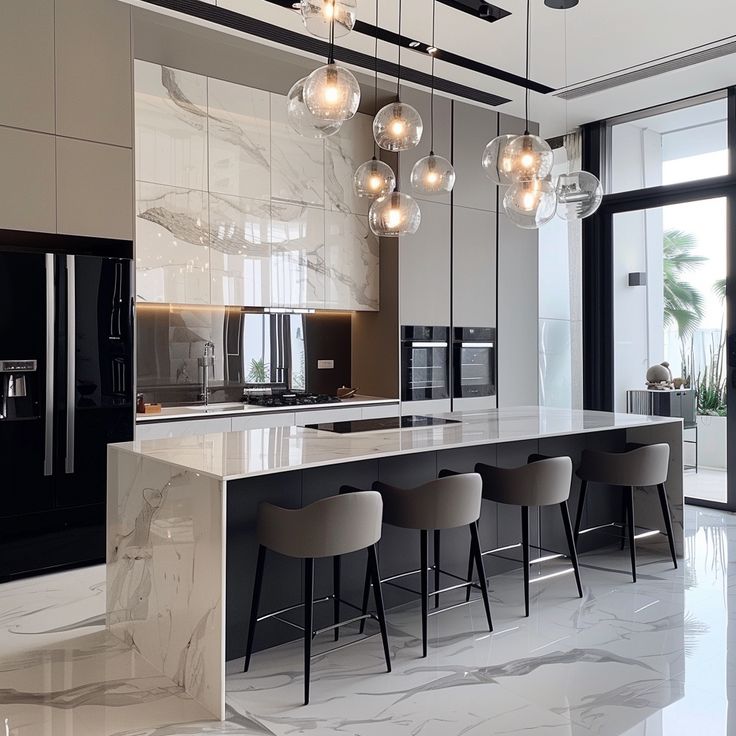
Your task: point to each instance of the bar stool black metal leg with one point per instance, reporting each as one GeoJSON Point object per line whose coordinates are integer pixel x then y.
{"type": "Point", "coordinates": [475, 553]}
{"type": "Point", "coordinates": [471, 562]}
{"type": "Point", "coordinates": [308, 623]}
{"type": "Point", "coordinates": [581, 506]}
{"type": "Point", "coordinates": [436, 567]}
{"type": "Point", "coordinates": [378, 597]}
{"type": "Point", "coordinates": [664, 502]}
{"type": "Point", "coordinates": [571, 545]}
{"type": "Point", "coordinates": [525, 553]}
{"type": "Point", "coordinates": [256, 599]}
{"type": "Point", "coordinates": [366, 593]}
{"type": "Point", "coordinates": [632, 529]}
{"type": "Point", "coordinates": [624, 517]}
{"type": "Point", "coordinates": [336, 594]}
{"type": "Point", "coordinates": [423, 554]}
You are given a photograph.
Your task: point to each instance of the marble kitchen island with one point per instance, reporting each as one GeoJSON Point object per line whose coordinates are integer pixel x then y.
{"type": "Point", "coordinates": [181, 519]}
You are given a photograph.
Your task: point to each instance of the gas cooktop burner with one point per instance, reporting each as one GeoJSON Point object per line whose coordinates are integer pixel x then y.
{"type": "Point", "coordinates": [290, 399]}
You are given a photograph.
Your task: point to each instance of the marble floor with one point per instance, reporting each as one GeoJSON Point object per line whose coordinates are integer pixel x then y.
{"type": "Point", "coordinates": [650, 659]}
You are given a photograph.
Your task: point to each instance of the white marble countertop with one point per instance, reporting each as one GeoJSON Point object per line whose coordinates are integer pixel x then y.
{"type": "Point", "coordinates": [233, 455]}
{"type": "Point", "coordinates": [237, 408]}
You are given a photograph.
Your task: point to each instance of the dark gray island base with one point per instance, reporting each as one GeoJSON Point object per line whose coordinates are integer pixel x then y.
{"type": "Point", "coordinates": [198, 498]}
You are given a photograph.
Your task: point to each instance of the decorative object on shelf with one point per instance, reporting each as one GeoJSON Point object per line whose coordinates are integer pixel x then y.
{"type": "Point", "coordinates": [374, 178]}
{"type": "Point", "coordinates": [302, 120]}
{"type": "Point", "coordinates": [319, 14]}
{"type": "Point", "coordinates": [530, 203]}
{"type": "Point", "coordinates": [495, 164]}
{"type": "Point", "coordinates": [398, 126]}
{"type": "Point", "coordinates": [394, 215]}
{"type": "Point", "coordinates": [432, 175]}
{"type": "Point", "coordinates": [331, 92]}
{"type": "Point", "coordinates": [659, 377]}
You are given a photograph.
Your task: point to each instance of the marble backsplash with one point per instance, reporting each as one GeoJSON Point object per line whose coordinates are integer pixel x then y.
{"type": "Point", "coordinates": [235, 208]}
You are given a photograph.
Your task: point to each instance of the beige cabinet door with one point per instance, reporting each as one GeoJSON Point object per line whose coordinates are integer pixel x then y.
{"type": "Point", "coordinates": [473, 128]}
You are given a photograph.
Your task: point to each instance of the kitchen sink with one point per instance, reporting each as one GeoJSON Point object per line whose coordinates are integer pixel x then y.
{"type": "Point", "coordinates": [216, 408]}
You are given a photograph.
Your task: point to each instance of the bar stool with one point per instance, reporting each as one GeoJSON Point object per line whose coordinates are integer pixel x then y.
{"type": "Point", "coordinates": [330, 527]}
{"type": "Point", "coordinates": [638, 466]}
{"type": "Point", "coordinates": [445, 503]}
{"type": "Point", "coordinates": [543, 482]}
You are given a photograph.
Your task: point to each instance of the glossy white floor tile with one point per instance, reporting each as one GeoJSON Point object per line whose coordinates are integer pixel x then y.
{"type": "Point", "coordinates": [650, 659]}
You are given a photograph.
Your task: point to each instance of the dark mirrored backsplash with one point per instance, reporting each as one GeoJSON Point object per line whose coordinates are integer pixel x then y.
{"type": "Point", "coordinates": [250, 348]}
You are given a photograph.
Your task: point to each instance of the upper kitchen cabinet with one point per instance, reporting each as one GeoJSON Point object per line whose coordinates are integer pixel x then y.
{"type": "Point", "coordinates": [239, 140]}
{"type": "Point", "coordinates": [351, 252]}
{"type": "Point", "coordinates": [442, 137]}
{"type": "Point", "coordinates": [170, 126]}
{"type": "Point", "coordinates": [27, 186]}
{"type": "Point", "coordinates": [93, 71]}
{"type": "Point", "coordinates": [94, 189]}
{"type": "Point", "coordinates": [344, 152]}
{"type": "Point", "coordinates": [240, 250]}
{"type": "Point", "coordinates": [474, 267]}
{"type": "Point", "coordinates": [473, 128]}
{"type": "Point", "coordinates": [297, 163]}
{"type": "Point", "coordinates": [27, 65]}
{"type": "Point", "coordinates": [424, 269]}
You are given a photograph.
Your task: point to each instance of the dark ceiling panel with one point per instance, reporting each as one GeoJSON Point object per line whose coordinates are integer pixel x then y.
{"type": "Point", "coordinates": [478, 9]}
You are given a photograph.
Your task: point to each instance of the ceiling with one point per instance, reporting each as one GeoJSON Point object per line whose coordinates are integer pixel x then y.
{"type": "Point", "coordinates": [593, 41]}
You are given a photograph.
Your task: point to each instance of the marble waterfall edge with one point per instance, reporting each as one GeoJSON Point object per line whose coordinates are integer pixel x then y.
{"type": "Point", "coordinates": [165, 569]}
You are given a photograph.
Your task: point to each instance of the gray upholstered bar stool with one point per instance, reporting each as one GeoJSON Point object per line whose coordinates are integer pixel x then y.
{"type": "Point", "coordinates": [446, 503]}
{"type": "Point", "coordinates": [327, 528]}
{"type": "Point", "coordinates": [543, 482]}
{"type": "Point", "coordinates": [638, 466]}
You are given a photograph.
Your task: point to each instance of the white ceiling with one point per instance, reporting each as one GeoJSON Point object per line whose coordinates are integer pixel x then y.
{"type": "Point", "coordinates": [596, 38]}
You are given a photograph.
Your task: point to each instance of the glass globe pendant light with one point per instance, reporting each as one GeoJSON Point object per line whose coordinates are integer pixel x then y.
{"type": "Point", "coordinates": [496, 164]}
{"type": "Point", "coordinates": [302, 120]}
{"type": "Point", "coordinates": [397, 126]}
{"type": "Point", "coordinates": [530, 204]}
{"type": "Point", "coordinates": [432, 175]}
{"type": "Point", "coordinates": [332, 93]}
{"type": "Point", "coordinates": [374, 178]}
{"type": "Point", "coordinates": [579, 195]}
{"type": "Point", "coordinates": [318, 15]}
{"type": "Point", "coordinates": [394, 215]}
{"type": "Point", "coordinates": [527, 156]}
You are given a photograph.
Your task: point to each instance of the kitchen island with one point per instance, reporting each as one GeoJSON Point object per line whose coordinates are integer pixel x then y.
{"type": "Point", "coordinates": [181, 516]}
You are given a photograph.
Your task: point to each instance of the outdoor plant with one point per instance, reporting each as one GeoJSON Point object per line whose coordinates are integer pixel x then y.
{"type": "Point", "coordinates": [710, 383]}
{"type": "Point", "coordinates": [683, 303]}
{"type": "Point", "coordinates": [258, 371]}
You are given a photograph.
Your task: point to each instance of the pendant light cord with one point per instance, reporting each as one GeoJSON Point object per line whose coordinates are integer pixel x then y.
{"type": "Point", "coordinates": [331, 57]}
{"type": "Point", "coordinates": [431, 98]}
{"type": "Point", "coordinates": [375, 80]}
{"type": "Point", "coordinates": [398, 73]}
{"type": "Point", "coordinates": [526, 112]}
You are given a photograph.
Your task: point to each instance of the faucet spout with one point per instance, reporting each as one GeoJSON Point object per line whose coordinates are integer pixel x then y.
{"type": "Point", "coordinates": [207, 363]}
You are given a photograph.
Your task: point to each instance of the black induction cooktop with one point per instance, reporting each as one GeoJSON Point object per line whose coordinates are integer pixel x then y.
{"type": "Point", "coordinates": [377, 425]}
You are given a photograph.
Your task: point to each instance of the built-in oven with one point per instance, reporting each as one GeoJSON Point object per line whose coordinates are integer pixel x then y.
{"type": "Point", "coordinates": [425, 363]}
{"type": "Point", "coordinates": [474, 362]}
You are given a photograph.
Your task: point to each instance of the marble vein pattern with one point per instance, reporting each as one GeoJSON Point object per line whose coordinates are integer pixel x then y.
{"type": "Point", "coordinates": [240, 250]}
{"type": "Point", "coordinates": [165, 572]}
{"type": "Point", "coordinates": [352, 255]}
{"type": "Point", "coordinates": [644, 659]}
{"type": "Point", "coordinates": [239, 140]}
{"type": "Point", "coordinates": [172, 245]}
{"type": "Point", "coordinates": [344, 152]}
{"type": "Point", "coordinates": [297, 163]}
{"type": "Point", "coordinates": [298, 269]}
{"type": "Point", "coordinates": [171, 126]}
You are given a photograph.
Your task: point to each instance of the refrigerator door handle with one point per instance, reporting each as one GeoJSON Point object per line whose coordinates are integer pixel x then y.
{"type": "Point", "coordinates": [71, 379]}
{"type": "Point", "coordinates": [48, 455]}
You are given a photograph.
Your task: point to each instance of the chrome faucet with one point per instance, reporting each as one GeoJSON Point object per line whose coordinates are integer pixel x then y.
{"type": "Point", "coordinates": [206, 363]}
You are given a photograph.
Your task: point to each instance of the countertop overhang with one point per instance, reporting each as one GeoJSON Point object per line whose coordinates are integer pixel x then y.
{"type": "Point", "coordinates": [230, 456]}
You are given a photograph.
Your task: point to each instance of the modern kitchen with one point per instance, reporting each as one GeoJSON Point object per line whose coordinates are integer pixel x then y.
{"type": "Point", "coordinates": [310, 377]}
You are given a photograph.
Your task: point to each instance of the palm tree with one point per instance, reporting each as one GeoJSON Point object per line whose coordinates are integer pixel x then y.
{"type": "Point", "coordinates": [683, 303]}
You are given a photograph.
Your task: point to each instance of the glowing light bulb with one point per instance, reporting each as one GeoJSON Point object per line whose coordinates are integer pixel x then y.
{"type": "Point", "coordinates": [397, 127]}
{"type": "Point", "coordinates": [529, 200]}
{"type": "Point", "coordinates": [393, 218]}
{"type": "Point", "coordinates": [432, 177]}
{"type": "Point", "coordinates": [328, 9]}
{"type": "Point", "coordinates": [528, 160]}
{"type": "Point", "coordinates": [375, 183]}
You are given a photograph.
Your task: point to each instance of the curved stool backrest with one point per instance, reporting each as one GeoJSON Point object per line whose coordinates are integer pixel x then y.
{"type": "Point", "coordinates": [644, 466]}
{"type": "Point", "coordinates": [444, 503]}
{"type": "Point", "coordinates": [326, 528]}
{"type": "Point", "coordinates": [542, 483]}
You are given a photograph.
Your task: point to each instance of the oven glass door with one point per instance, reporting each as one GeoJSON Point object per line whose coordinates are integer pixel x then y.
{"type": "Point", "coordinates": [474, 373]}
{"type": "Point", "coordinates": [426, 371]}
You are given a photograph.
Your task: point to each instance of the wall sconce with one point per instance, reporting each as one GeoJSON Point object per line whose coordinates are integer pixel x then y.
{"type": "Point", "coordinates": [638, 278]}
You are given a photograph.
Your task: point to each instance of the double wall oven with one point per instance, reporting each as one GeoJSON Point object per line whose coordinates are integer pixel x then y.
{"type": "Point", "coordinates": [474, 362]}
{"type": "Point", "coordinates": [425, 363]}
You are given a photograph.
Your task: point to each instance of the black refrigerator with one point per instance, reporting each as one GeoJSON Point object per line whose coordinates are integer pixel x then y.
{"type": "Point", "coordinates": [66, 392]}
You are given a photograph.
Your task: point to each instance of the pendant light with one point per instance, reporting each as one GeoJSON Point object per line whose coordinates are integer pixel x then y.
{"type": "Point", "coordinates": [496, 164]}
{"type": "Point", "coordinates": [397, 126]}
{"type": "Point", "coordinates": [302, 120]}
{"type": "Point", "coordinates": [579, 193]}
{"type": "Point", "coordinates": [374, 178]}
{"type": "Point", "coordinates": [318, 15]}
{"type": "Point", "coordinates": [332, 93]}
{"type": "Point", "coordinates": [394, 215]}
{"type": "Point", "coordinates": [531, 203]}
{"type": "Point", "coordinates": [432, 175]}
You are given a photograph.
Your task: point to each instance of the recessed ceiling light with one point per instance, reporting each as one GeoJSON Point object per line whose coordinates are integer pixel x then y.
{"type": "Point", "coordinates": [414, 44]}
{"type": "Point", "coordinates": [431, 49]}
{"type": "Point", "coordinates": [561, 4]}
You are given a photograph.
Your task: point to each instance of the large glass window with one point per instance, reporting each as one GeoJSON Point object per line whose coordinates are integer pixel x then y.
{"type": "Point", "coordinates": [669, 147]}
